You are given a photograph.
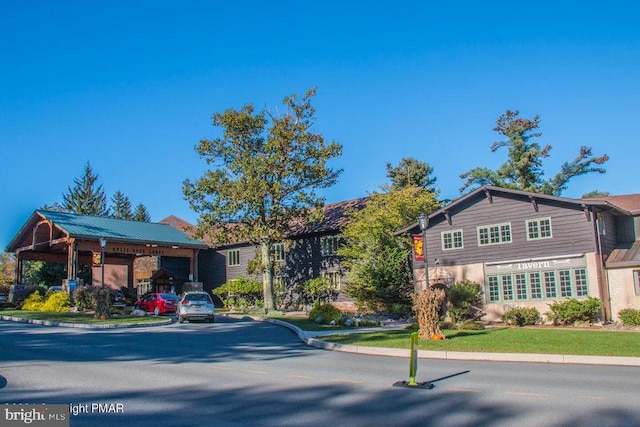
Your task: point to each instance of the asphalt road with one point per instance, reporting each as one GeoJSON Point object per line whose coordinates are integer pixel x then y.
{"type": "Point", "coordinates": [246, 373]}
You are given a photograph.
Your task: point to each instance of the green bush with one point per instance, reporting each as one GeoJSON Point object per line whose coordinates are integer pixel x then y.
{"type": "Point", "coordinates": [33, 302]}
{"type": "Point", "coordinates": [521, 316]}
{"type": "Point", "coordinates": [469, 326]}
{"type": "Point", "coordinates": [317, 291]}
{"type": "Point", "coordinates": [571, 311]}
{"type": "Point", "coordinates": [630, 317]}
{"type": "Point", "coordinates": [57, 302]}
{"type": "Point", "coordinates": [240, 293]}
{"type": "Point", "coordinates": [464, 299]}
{"type": "Point", "coordinates": [325, 314]}
{"type": "Point", "coordinates": [84, 297]}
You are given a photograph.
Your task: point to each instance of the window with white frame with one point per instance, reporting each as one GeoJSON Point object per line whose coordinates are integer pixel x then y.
{"type": "Point", "coordinates": [636, 281]}
{"type": "Point", "coordinates": [329, 245]}
{"type": "Point", "coordinates": [451, 240]}
{"type": "Point", "coordinates": [538, 285]}
{"type": "Point", "coordinates": [278, 251]}
{"type": "Point", "coordinates": [494, 234]}
{"type": "Point", "coordinates": [233, 258]}
{"type": "Point", "coordinates": [538, 229]}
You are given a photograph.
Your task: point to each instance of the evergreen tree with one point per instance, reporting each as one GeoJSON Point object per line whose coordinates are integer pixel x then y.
{"type": "Point", "coordinates": [377, 260]}
{"type": "Point", "coordinates": [411, 172]}
{"type": "Point", "coordinates": [141, 214]}
{"type": "Point", "coordinates": [523, 168]}
{"type": "Point", "coordinates": [86, 197]}
{"type": "Point", "coordinates": [120, 206]}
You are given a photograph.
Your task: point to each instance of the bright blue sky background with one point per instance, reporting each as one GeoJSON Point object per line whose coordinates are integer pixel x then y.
{"type": "Point", "coordinates": [131, 87]}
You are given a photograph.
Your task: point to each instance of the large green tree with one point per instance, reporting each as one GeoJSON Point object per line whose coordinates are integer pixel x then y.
{"type": "Point", "coordinates": [411, 172]}
{"type": "Point", "coordinates": [265, 170]}
{"type": "Point", "coordinates": [523, 168]}
{"type": "Point", "coordinates": [86, 197]}
{"type": "Point", "coordinates": [141, 213]}
{"type": "Point", "coordinates": [378, 261]}
{"type": "Point", "coordinates": [121, 206]}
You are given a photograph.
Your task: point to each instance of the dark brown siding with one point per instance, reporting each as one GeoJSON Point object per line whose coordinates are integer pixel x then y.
{"type": "Point", "coordinates": [571, 230]}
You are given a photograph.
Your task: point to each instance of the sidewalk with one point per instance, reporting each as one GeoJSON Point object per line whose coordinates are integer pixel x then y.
{"type": "Point", "coordinates": [314, 339]}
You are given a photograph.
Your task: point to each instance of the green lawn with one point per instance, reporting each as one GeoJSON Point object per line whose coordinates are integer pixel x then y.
{"type": "Point", "coordinates": [509, 340]}
{"type": "Point", "coordinates": [80, 317]}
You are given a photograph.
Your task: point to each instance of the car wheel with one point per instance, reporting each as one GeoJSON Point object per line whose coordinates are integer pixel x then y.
{"type": "Point", "coordinates": [156, 311]}
{"type": "Point", "coordinates": [180, 319]}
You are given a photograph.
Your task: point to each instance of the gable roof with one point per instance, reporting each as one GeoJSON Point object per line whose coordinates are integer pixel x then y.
{"type": "Point", "coordinates": [335, 217]}
{"type": "Point", "coordinates": [489, 190]}
{"type": "Point", "coordinates": [116, 230]}
{"type": "Point", "coordinates": [628, 202]}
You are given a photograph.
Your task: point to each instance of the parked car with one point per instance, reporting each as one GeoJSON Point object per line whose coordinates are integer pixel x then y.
{"type": "Point", "coordinates": [158, 303]}
{"type": "Point", "coordinates": [196, 305]}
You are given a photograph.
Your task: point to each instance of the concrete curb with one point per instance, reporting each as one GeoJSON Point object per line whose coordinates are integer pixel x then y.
{"type": "Point", "coordinates": [83, 325]}
{"type": "Point", "coordinates": [306, 337]}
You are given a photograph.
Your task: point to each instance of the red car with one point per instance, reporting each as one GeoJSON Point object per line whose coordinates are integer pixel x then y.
{"type": "Point", "coordinates": [158, 303]}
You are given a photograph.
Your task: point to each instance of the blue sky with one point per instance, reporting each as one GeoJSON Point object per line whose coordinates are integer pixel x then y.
{"type": "Point", "coordinates": [131, 87]}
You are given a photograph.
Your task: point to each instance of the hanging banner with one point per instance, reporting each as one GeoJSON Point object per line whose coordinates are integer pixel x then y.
{"type": "Point", "coordinates": [96, 259]}
{"type": "Point", "coordinates": [418, 247]}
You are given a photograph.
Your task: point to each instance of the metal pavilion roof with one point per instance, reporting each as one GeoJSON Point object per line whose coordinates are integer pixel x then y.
{"type": "Point", "coordinates": [115, 230]}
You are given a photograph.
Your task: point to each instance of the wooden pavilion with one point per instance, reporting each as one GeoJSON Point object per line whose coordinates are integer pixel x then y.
{"type": "Point", "coordinates": [76, 239]}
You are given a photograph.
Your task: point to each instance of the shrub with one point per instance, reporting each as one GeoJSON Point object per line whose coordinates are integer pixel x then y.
{"type": "Point", "coordinates": [521, 316]}
{"type": "Point", "coordinates": [630, 317]}
{"type": "Point", "coordinates": [325, 313]}
{"type": "Point", "coordinates": [57, 302]}
{"type": "Point", "coordinates": [240, 293]}
{"type": "Point", "coordinates": [33, 302]}
{"type": "Point", "coordinates": [84, 297]}
{"type": "Point", "coordinates": [570, 311]}
{"type": "Point", "coordinates": [469, 326]}
{"type": "Point", "coordinates": [317, 291]}
{"type": "Point", "coordinates": [21, 292]}
{"type": "Point", "coordinates": [464, 300]}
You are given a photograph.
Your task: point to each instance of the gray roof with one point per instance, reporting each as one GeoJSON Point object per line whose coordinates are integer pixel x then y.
{"type": "Point", "coordinates": [115, 230]}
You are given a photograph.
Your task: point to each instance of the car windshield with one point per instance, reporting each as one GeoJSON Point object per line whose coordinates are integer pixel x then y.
{"type": "Point", "coordinates": [198, 297]}
{"type": "Point", "coordinates": [169, 297]}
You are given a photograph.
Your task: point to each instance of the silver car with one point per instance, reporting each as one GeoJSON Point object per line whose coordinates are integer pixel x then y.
{"type": "Point", "coordinates": [196, 305]}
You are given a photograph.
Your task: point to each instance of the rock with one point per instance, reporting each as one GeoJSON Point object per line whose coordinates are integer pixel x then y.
{"type": "Point", "coordinates": [139, 313]}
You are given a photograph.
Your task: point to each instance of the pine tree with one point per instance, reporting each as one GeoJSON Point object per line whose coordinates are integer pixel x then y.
{"type": "Point", "coordinates": [523, 168]}
{"type": "Point", "coordinates": [86, 197]}
{"type": "Point", "coordinates": [141, 214]}
{"type": "Point", "coordinates": [121, 206]}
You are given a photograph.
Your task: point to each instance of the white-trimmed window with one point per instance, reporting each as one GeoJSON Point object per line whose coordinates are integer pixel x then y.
{"type": "Point", "coordinates": [329, 245]}
{"type": "Point", "coordinates": [451, 240]}
{"type": "Point", "coordinates": [278, 251]}
{"type": "Point", "coordinates": [233, 258]}
{"type": "Point", "coordinates": [494, 234]}
{"type": "Point", "coordinates": [636, 281]}
{"type": "Point", "coordinates": [539, 228]}
{"type": "Point", "coordinates": [540, 285]}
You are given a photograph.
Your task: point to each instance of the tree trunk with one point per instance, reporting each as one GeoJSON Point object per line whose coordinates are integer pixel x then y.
{"type": "Point", "coordinates": [267, 277]}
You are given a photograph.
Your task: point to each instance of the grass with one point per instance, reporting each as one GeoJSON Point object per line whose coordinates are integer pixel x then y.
{"type": "Point", "coordinates": [508, 340]}
{"type": "Point", "coordinates": [80, 317]}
